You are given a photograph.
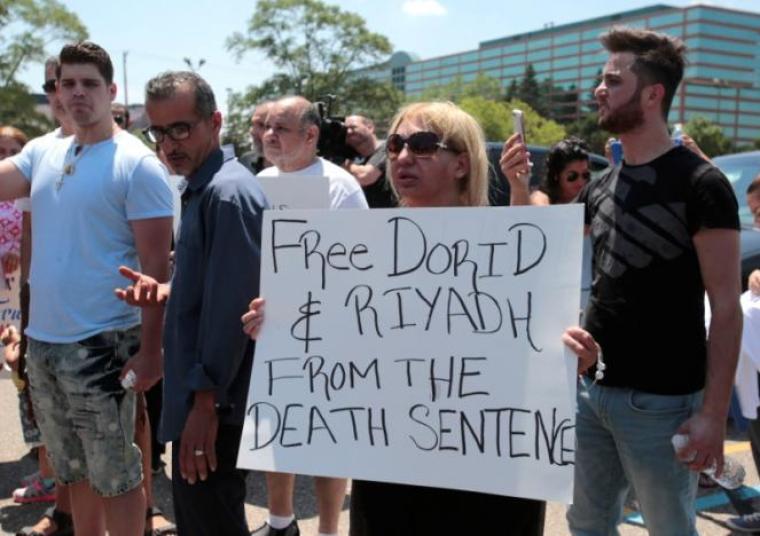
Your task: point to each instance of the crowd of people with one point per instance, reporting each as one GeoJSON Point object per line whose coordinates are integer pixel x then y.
{"type": "Point", "coordinates": [663, 224]}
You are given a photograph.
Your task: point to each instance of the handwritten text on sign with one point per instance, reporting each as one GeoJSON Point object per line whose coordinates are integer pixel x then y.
{"type": "Point", "coordinates": [419, 346]}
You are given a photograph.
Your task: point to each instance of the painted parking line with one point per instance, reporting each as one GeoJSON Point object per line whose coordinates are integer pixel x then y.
{"type": "Point", "coordinates": [706, 502]}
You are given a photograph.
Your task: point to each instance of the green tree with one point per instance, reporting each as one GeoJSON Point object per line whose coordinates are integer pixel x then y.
{"type": "Point", "coordinates": [529, 89]}
{"type": "Point", "coordinates": [587, 128]}
{"type": "Point", "coordinates": [27, 28]}
{"type": "Point", "coordinates": [538, 129]}
{"type": "Point", "coordinates": [494, 116]}
{"type": "Point", "coordinates": [709, 137]}
{"type": "Point", "coordinates": [483, 86]}
{"type": "Point", "coordinates": [318, 49]}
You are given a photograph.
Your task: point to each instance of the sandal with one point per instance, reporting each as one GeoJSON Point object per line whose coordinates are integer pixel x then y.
{"type": "Point", "coordinates": [64, 526]}
{"type": "Point", "coordinates": [30, 478]}
{"type": "Point", "coordinates": [41, 490]}
{"type": "Point", "coordinates": [155, 511]}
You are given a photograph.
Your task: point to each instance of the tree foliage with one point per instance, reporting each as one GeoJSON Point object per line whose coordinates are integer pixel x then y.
{"type": "Point", "coordinates": [493, 116]}
{"type": "Point", "coordinates": [317, 49]}
{"type": "Point", "coordinates": [709, 137]}
{"type": "Point", "coordinates": [27, 28]}
{"type": "Point", "coordinates": [539, 130]}
{"type": "Point", "coordinates": [587, 128]}
{"type": "Point", "coordinates": [484, 99]}
{"type": "Point", "coordinates": [482, 86]}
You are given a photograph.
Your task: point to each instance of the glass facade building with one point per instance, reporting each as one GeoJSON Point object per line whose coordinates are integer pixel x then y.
{"type": "Point", "coordinates": [721, 82]}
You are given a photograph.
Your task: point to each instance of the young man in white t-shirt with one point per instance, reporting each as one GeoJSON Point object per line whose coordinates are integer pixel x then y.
{"type": "Point", "coordinates": [100, 199]}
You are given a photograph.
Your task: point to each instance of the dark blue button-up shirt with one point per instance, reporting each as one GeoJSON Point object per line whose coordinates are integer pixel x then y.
{"type": "Point", "coordinates": [216, 274]}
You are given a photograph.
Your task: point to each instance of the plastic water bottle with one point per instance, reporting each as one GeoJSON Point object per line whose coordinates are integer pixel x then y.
{"type": "Point", "coordinates": [616, 149]}
{"type": "Point", "coordinates": [733, 473]}
{"type": "Point", "coordinates": [677, 134]}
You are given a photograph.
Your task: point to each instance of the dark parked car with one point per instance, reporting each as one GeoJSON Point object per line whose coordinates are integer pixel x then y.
{"type": "Point", "coordinates": [740, 169]}
{"type": "Point", "coordinates": [498, 191]}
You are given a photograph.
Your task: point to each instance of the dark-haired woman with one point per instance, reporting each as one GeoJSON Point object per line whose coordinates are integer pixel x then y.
{"type": "Point", "coordinates": [567, 172]}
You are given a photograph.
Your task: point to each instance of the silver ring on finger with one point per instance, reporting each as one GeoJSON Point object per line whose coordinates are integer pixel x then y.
{"type": "Point", "coordinates": [199, 452]}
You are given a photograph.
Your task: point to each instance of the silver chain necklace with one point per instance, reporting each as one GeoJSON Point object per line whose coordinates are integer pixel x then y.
{"type": "Point", "coordinates": [69, 163]}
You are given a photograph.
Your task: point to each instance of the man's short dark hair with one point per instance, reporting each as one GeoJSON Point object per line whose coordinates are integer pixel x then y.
{"type": "Point", "coordinates": [660, 58]}
{"type": "Point", "coordinates": [166, 84]}
{"type": "Point", "coordinates": [87, 52]}
{"type": "Point", "coordinates": [754, 186]}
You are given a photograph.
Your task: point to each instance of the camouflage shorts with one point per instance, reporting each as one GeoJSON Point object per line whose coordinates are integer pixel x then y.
{"type": "Point", "coordinates": [29, 426]}
{"type": "Point", "coordinates": [86, 418]}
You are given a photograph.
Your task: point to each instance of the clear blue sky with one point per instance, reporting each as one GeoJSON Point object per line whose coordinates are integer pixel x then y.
{"type": "Point", "coordinates": [158, 34]}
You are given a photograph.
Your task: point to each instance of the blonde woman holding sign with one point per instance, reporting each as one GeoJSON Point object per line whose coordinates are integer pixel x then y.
{"type": "Point", "coordinates": [437, 158]}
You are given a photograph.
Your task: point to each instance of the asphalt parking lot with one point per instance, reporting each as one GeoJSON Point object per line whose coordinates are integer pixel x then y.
{"type": "Point", "coordinates": [714, 506]}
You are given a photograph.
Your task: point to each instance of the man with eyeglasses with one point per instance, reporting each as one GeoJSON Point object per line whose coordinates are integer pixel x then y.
{"type": "Point", "coordinates": [120, 115]}
{"type": "Point", "coordinates": [207, 358]}
{"type": "Point", "coordinates": [369, 169]}
{"type": "Point", "coordinates": [290, 143]}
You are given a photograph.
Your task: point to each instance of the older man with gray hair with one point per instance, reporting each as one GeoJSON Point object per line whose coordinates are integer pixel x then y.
{"type": "Point", "coordinates": [290, 143]}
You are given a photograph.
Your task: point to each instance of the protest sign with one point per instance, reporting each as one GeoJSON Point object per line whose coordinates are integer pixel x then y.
{"type": "Point", "coordinates": [10, 311]}
{"type": "Point", "coordinates": [419, 346]}
{"type": "Point", "coordinates": [292, 192]}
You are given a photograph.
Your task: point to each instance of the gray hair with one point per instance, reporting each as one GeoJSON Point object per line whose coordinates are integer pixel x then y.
{"type": "Point", "coordinates": [166, 84]}
{"type": "Point", "coordinates": [310, 115]}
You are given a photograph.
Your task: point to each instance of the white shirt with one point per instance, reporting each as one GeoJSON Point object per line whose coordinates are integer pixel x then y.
{"type": "Point", "coordinates": [345, 191]}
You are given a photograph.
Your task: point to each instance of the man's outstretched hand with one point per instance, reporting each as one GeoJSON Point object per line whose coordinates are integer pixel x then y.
{"type": "Point", "coordinates": [144, 290]}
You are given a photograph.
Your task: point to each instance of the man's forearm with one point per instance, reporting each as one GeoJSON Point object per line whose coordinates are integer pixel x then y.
{"type": "Point", "coordinates": [366, 174]}
{"type": "Point", "coordinates": [722, 354]}
{"type": "Point", "coordinates": [151, 333]}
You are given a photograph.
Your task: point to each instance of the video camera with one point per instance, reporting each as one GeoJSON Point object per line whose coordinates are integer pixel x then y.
{"type": "Point", "coordinates": [332, 134]}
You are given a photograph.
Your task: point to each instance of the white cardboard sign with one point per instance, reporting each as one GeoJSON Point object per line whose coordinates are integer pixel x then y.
{"type": "Point", "coordinates": [10, 310]}
{"type": "Point", "coordinates": [419, 346]}
{"type": "Point", "coordinates": [292, 192]}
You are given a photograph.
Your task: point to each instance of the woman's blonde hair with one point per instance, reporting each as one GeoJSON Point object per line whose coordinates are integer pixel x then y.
{"type": "Point", "coordinates": [14, 134]}
{"type": "Point", "coordinates": [462, 134]}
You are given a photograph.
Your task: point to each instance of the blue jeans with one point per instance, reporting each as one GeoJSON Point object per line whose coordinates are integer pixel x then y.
{"type": "Point", "coordinates": [624, 438]}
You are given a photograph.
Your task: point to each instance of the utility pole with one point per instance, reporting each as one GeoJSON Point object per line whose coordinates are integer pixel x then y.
{"type": "Point", "coordinates": [124, 68]}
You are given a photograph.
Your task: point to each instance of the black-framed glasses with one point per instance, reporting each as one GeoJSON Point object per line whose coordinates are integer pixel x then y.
{"type": "Point", "coordinates": [119, 120]}
{"type": "Point", "coordinates": [49, 86]}
{"type": "Point", "coordinates": [176, 131]}
{"type": "Point", "coordinates": [574, 176]}
{"type": "Point", "coordinates": [422, 144]}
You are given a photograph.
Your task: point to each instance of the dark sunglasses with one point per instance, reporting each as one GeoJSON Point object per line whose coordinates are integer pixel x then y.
{"type": "Point", "coordinates": [119, 120]}
{"type": "Point", "coordinates": [48, 86]}
{"type": "Point", "coordinates": [176, 131]}
{"type": "Point", "coordinates": [421, 144]}
{"type": "Point", "coordinates": [574, 176]}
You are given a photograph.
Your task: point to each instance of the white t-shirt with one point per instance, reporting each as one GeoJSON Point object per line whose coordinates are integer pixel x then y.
{"type": "Point", "coordinates": [345, 191]}
{"type": "Point", "coordinates": [82, 233]}
{"type": "Point", "coordinates": [748, 366]}
{"type": "Point", "coordinates": [749, 357]}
